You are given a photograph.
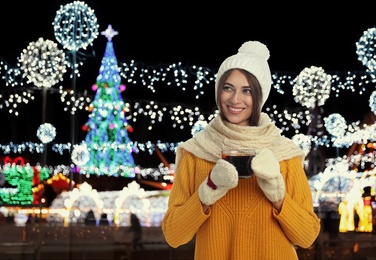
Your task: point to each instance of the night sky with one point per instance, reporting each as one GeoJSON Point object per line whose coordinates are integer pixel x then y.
{"type": "Point", "coordinates": [193, 34]}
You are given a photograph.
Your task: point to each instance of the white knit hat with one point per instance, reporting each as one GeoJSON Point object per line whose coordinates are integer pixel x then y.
{"type": "Point", "coordinates": [253, 57]}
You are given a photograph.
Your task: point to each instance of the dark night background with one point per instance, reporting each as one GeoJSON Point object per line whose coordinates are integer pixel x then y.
{"type": "Point", "coordinates": [194, 34]}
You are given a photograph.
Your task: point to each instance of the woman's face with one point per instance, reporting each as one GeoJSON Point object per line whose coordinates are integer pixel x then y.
{"type": "Point", "coordinates": [235, 99]}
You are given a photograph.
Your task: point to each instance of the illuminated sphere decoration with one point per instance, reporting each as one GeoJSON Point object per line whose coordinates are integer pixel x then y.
{"type": "Point", "coordinates": [198, 126]}
{"type": "Point", "coordinates": [46, 133]}
{"type": "Point", "coordinates": [312, 86]}
{"type": "Point", "coordinates": [303, 142]}
{"type": "Point", "coordinates": [42, 63]}
{"type": "Point", "coordinates": [372, 102]}
{"type": "Point", "coordinates": [365, 48]}
{"type": "Point", "coordinates": [80, 154]}
{"type": "Point", "coordinates": [335, 124]}
{"type": "Point", "coordinates": [75, 26]}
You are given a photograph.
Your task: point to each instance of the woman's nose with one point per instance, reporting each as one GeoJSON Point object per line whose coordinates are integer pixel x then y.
{"type": "Point", "coordinates": [236, 96]}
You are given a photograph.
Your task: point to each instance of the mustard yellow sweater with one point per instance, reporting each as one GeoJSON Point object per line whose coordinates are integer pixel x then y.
{"type": "Point", "coordinates": [242, 225]}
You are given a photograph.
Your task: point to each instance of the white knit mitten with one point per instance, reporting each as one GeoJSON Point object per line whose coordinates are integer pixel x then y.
{"type": "Point", "coordinates": [269, 178]}
{"type": "Point", "coordinates": [222, 177]}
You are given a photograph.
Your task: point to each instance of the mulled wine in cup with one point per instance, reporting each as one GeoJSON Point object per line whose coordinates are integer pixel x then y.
{"type": "Point", "coordinates": [241, 159]}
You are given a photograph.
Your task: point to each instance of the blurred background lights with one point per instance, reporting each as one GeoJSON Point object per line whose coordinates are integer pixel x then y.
{"type": "Point", "coordinates": [46, 133]}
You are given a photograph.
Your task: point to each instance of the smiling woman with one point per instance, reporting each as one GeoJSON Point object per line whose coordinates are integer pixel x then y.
{"type": "Point", "coordinates": [242, 86]}
{"type": "Point", "coordinates": [235, 97]}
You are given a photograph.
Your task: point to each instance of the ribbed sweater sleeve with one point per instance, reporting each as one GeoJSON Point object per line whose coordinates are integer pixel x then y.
{"type": "Point", "coordinates": [297, 218]}
{"type": "Point", "coordinates": [185, 214]}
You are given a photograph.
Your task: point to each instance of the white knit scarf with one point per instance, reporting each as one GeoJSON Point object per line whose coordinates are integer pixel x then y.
{"type": "Point", "coordinates": [218, 134]}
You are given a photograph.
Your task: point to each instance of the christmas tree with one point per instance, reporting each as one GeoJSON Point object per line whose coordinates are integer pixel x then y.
{"type": "Point", "coordinates": [108, 145]}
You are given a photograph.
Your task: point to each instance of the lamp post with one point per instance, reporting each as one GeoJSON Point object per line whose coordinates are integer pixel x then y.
{"type": "Point", "coordinates": [73, 116]}
{"type": "Point", "coordinates": [44, 108]}
{"type": "Point", "coordinates": [75, 27]}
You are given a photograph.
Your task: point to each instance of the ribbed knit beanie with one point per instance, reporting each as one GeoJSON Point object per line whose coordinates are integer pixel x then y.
{"type": "Point", "coordinates": [253, 57]}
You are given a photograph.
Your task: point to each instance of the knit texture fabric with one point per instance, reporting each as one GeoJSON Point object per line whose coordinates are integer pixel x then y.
{"type": "Point", "coordinates": [253, 57]}
{"type": "Point", "coordinates": [268, 174]}
{"type": "Point", "coordinates": [243, 223]}
{"type": "Point", "coordinates": [224, 176]}
{"type": "Point", "coordinates": [219, 134]}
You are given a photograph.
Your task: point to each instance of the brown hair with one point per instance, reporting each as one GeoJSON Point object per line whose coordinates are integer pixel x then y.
{"type": "Point", "coordinates": [256, 94]}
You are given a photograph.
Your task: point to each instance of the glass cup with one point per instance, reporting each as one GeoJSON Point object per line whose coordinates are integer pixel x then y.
{"type": "Point", "coordinates": [241, 159]}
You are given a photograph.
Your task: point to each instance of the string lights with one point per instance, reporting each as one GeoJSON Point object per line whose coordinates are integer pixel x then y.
{"type": "Point", "coordinates": [312, 86]}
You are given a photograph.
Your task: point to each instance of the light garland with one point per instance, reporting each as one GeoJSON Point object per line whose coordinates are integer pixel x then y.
{"type": "Point", "coordinates": [312, 86]}
{"type": "Point", "coordinates": [173, 74]}
{"type": "Point", "coordinates": [340, 81]}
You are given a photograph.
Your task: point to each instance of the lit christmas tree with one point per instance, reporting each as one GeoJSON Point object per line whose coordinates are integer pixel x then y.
{"type": "Point", "coordinates": [109, 149]}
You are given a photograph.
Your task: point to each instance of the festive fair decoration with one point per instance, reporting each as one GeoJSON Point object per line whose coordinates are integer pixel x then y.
{"type": "Point", "coordinates": [42, 63]}
{"type": "Point", "coordinates": [365, 49]}
{"type": "Point", "coordinates": [80, 154]}
{"type": "Point", "coordinates": [74, 206]}
{"type": "Point", "coordinates": [179, 76]}
{"type": "Point", "coordinates": [75, 26]}
{"type": "Point", "coordinates": [312, 86]}
{"type": "Point", "coordinates": [46, 133]}
{"type": "Point", "coordinates": [20, 180]}
{"type": "Point", "coordinates": [107, 128]}
{"type": "Point", "coordinates": [198, 126]}
{"type": "Point", "coordinates": [335, 124]}
{"type": "Point", "coordinates": [303, 142]}
{"type": "Point", "coordinates": [372, 102]}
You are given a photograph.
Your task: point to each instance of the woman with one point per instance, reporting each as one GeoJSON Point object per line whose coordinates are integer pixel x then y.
{"type": "Point", "coordinates": [262, 217]}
